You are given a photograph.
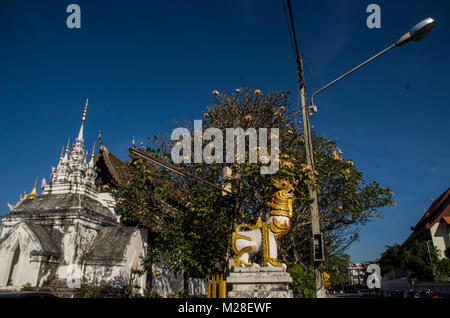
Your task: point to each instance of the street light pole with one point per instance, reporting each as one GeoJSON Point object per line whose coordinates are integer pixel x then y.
{"type": "Point", "coordinates": [349, 72]}
{"type": "Point", "coordinates": [315, 222]}
{"type": "Point", "coordinates": [431, 261]}
{"type": "Point", "coordinates": [314, 208]}
{"type": "Point", "coordinates": [416, 33]}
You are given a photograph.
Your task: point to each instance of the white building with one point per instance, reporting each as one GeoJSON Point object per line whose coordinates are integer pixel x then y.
{"type": "Point", "coordinates": [70, 236]}
{"type": "Point", "coordinates": [434, 226]}
{"type": "Point", "coordinates": [357, 274]}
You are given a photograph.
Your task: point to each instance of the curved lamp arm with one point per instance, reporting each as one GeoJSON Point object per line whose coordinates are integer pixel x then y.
{"type": "Point", "coordinates": [351, 71]}
{"type": "Point", "coordinates": [416, 33]}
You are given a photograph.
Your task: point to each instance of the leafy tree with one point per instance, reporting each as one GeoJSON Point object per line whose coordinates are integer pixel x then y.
{"type": "Point", "coordinates": [442, 270]}
{"type": "Point", "coordinates": [336, 265]}
{"type": "Point", "coordinates": [423, 259]}
{"type": "Point", "coordinates": [420, 257]}
{"type": "Point", "coordinates": [191, 229]}
{"type": "Point", "coordinates": [391, 257]}
{"type": "Point", "coordinates": [193, 240]}
{"type": "Point", "coordinates": [303, 280]}
{"type": "Point", "coordinates": [196, 221]}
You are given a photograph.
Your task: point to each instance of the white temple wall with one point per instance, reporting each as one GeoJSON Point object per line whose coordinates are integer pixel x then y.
{"type": "Point", "coordinates": [120, 275]}
{"type": "Point", "coordinates": [167, 284]}
{"type": "Point", "coordinates": [17, 267]}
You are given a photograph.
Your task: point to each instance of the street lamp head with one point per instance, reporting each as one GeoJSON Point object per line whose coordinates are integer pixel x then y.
{"type": "Point", "coordinates": [417, 32]}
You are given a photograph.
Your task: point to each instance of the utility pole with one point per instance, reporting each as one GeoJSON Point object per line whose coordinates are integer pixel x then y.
{"type": "Point", "coordinates": [314, 208]}
{"type": "Point", "coordinates": [431, 261]}
{"type": "Point", "coordinates": [315, 222]}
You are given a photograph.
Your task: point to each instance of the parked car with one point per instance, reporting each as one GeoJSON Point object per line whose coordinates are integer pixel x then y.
{"type": "Point", "coordinates": [409, 294]}
{"type": "Point", "coordinates": [430, 293]}
{"type": "Point", "coordinates": [385, 293]}
{"type": "Point", "coordinates": [364, 293]}
{"type": "Point", "coordinates": [397, 293]}
{"type": "Point", "coordinates": [420, 294]}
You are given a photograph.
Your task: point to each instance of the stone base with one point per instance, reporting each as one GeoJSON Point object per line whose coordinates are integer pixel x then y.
{"type": "Point", "coordinates": [259, 282]}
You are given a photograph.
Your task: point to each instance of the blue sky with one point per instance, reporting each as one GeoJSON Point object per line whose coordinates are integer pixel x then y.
{"type": "Point", "coordinates": [144, 63]}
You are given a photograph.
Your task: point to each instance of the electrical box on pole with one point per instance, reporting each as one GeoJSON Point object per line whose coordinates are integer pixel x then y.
{"type": "Point", "coordinates": [318, 248]}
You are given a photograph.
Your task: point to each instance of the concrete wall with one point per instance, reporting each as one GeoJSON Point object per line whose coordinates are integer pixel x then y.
{"type": "Point", "coordinates": [399, 283]}
{"type": "Point", "coordinates": [167, 284]}
{"type": "Point", "coordinates": [404, 284]}
{"type": "Point", "coordinates": [17, 266]}
{"type": "Point", "coordinates": [441, 237]}
{"type": "Point", "coordinates": [119, 273]}
{"type": "Point", "coordinates": [438, 287]}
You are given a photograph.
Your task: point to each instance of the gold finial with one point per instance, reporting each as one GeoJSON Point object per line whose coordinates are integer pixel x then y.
{"type": "Point", "coordinates": [83, 118]}
{"type": "Point", "coordinates": [93, 151]}
{"type": "Point", "coordinates": [134, 146]}
{"type": "Point", "coordinates": [68, 143]}
{"type": "Point", "coordinates": [62, 153]}
{"type": "Point", "coordinates": [33, 192]}
{"type": "Point", "coordinates": [100, 138]}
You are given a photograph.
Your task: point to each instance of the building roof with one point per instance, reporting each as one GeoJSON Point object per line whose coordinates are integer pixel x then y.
{"type": "Point", "coordinates": [110, 243]}
{"type": "Point", "coordinates": [438, 210]}
{"type": "Point", "coordinates": [48, 247]}
{"type": "Point", "coordinates": [60, 203]}
{"type": "Point", "coordinates": [117, 170]}
{"type": "Point", "coordinates": [47, 243]}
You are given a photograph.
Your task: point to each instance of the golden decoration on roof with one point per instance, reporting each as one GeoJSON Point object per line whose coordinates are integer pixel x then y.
{"type": "Point", "coordinates": [83, 118]}
{"type": "Point", "coordinates": [100, 137]}
{"type": "Point", "coordinates": [93, 150]}
{"type": "Point", "coordinates": [68, 143]}
{"type": "Point", "coordinates": [62, 153]}
{"type": "Point", "coordinates": [33, 192]}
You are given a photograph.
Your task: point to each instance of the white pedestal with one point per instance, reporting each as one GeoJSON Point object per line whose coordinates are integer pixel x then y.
{"type": "Point", "coordinates": [259, 282]}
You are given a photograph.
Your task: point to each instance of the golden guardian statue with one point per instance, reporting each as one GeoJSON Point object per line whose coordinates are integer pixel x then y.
{"type": "Point", "coordinates": [247, 239]}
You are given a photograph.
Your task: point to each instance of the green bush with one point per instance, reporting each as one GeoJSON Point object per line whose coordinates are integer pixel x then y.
{"type": "Point", "coordinates": [153, 294]}
{"type": "Point", "coordinates": [91, 292]}
{"type": "Point", "coordinates": [303, 281]}
{"type": "Point", "coordinates": [27, 287]}
{"type": "Point", "coordinates": [442, 272]}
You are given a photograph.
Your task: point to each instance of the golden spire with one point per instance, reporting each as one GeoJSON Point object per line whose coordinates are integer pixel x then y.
{"type": "Point", "coordinates": [62, 153]}
{"type": "Point", "coordinates": [93, 151]}
{"type": "Point", "coordinates": [83, 118]}
{"type": "Point", "coordinates": [100, 137]}
{"type": "Point", "coordinates": [68, 143]}
{"type": "Point", "coordinates": [134, 146]}
{"type": "Point", "coordinates": [33, 192]}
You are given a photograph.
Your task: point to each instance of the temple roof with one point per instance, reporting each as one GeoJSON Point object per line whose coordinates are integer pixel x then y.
{"type": "Point", "coordinates": [60, 203]}
{"type": "Point", "coordinates": [438, 210]}
{"type": "Point", "coordinates": [48, 247]}
{"type": "Point", "coordinates": [116, 172]}
{"type": "Point", "coordinates": [44, 238]}
{"type": "Point", "coordinates": [111, 243]}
